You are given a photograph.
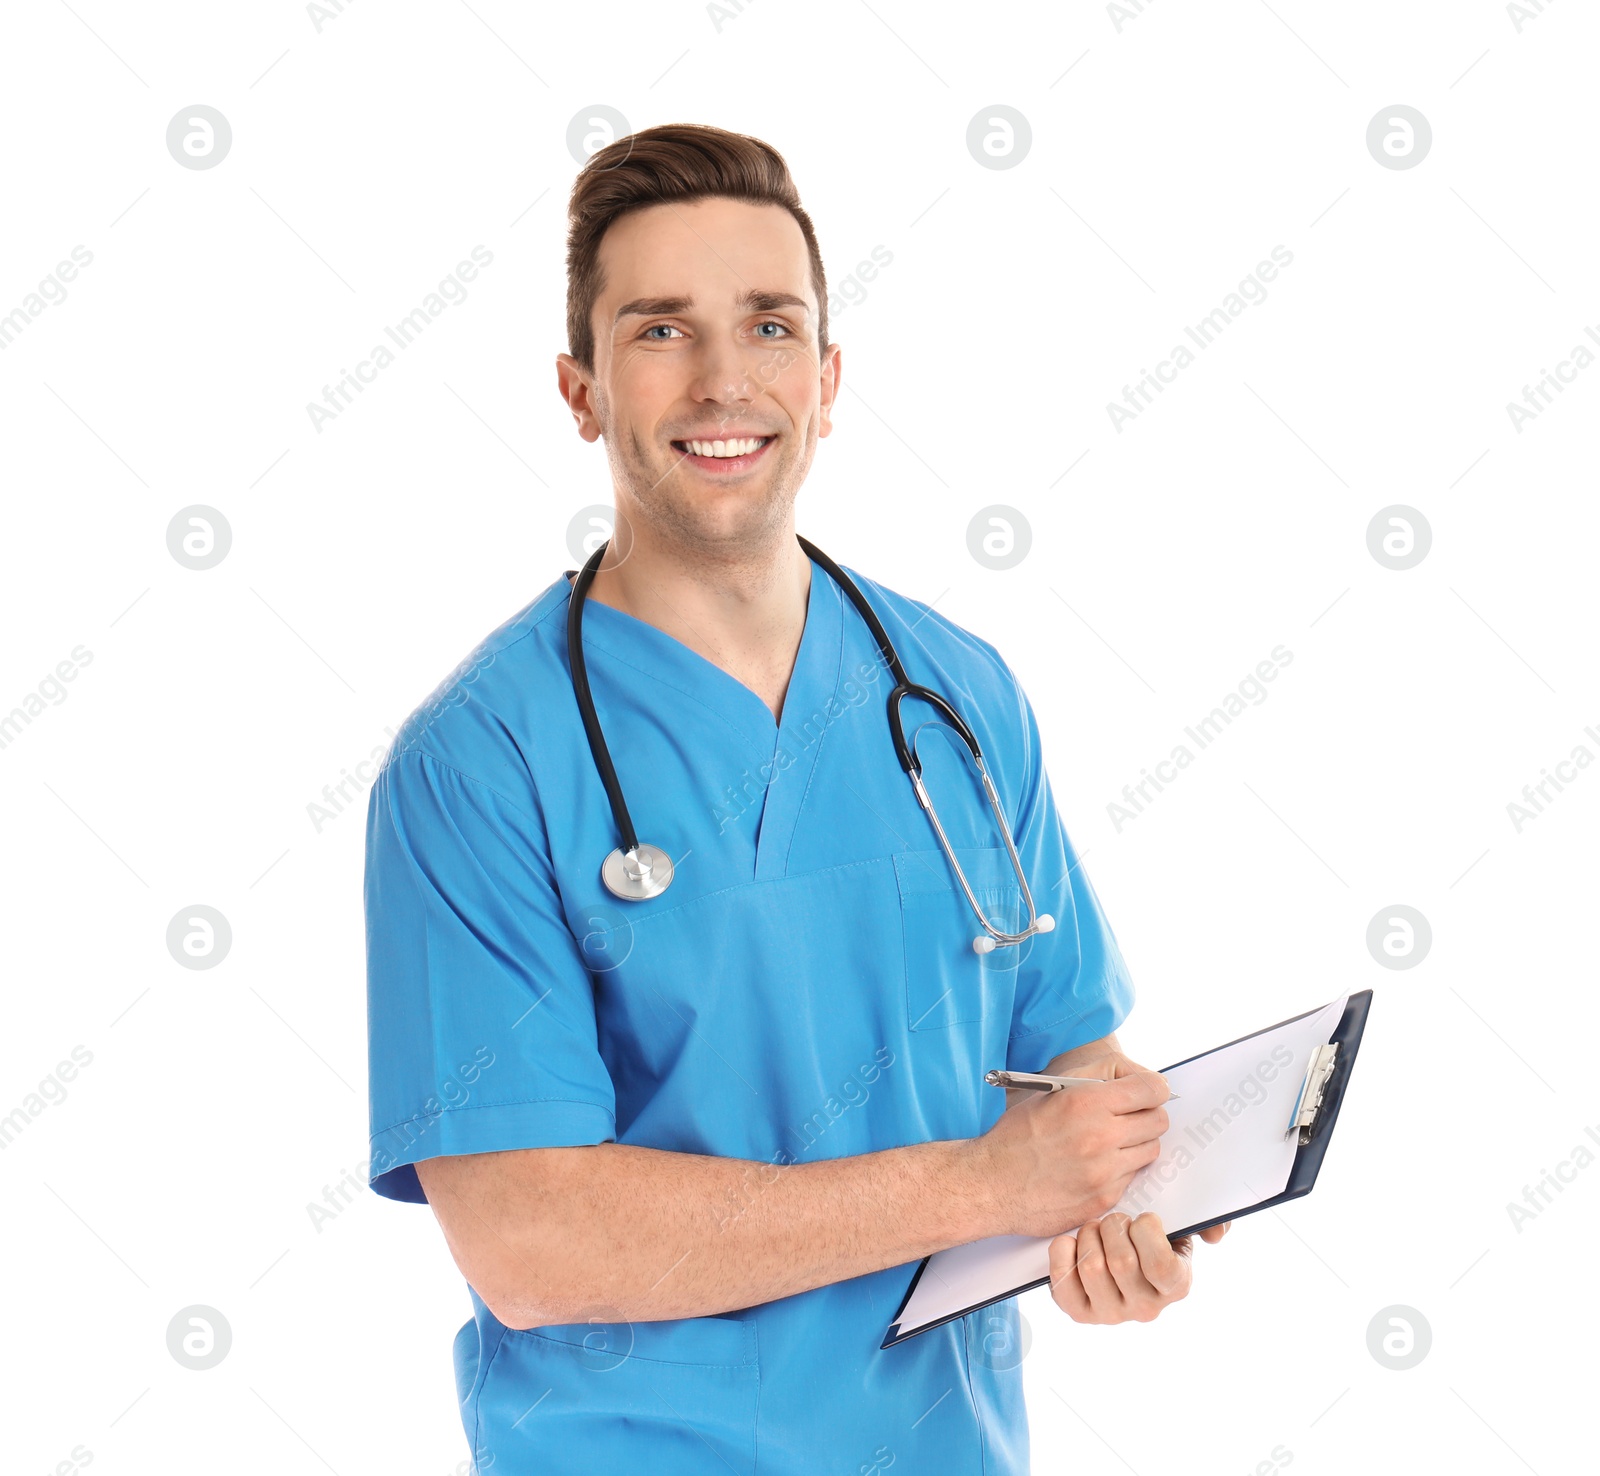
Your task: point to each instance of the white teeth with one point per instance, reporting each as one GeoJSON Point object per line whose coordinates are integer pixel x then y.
{"type": "Point", "coordinates": [741, 447]}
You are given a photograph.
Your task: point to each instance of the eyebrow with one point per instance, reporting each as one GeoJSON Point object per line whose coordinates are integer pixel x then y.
{"type": "Point", "coordinates": [755, 301]}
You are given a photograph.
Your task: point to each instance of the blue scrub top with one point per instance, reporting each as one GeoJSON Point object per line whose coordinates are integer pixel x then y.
{"type": "Point", "coordinates": [805, 990]}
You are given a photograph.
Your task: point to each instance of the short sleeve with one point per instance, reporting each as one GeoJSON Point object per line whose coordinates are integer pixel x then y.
{"type": "Point", "coordinates": [481, 1028]}
{"type": "Point", "coordinates": [1072, 983]}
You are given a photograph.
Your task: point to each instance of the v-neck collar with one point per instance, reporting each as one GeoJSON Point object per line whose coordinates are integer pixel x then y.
{"type": "Point", "coordinates": [814, 679]}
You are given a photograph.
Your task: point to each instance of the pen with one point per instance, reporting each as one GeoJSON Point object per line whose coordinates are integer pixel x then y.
{"type": "Point", "coordinates": [1033, 1082]}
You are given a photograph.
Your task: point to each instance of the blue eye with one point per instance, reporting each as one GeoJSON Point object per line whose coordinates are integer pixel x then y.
{"type": "Point", "coordinates": [770, 324]}
{"type": "Point", "coordinates": [652, 328]}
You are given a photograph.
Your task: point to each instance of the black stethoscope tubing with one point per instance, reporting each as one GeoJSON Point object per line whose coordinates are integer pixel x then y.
{"type": "Point", "coordinates": [638, 872]}
{"type": "Point", "coordinates": [904, 687]}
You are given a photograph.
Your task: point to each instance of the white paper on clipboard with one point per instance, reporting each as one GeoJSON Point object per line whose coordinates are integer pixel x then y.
{"type": "Point", "coordinates": [1224, 1149]}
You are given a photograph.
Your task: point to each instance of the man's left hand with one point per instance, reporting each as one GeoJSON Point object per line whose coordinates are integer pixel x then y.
{"type": "Point", "coordinates": [1122, 1270]}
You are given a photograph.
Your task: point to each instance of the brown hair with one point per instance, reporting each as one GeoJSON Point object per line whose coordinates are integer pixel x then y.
{"type": "Point", "coordinates": [674, 162]}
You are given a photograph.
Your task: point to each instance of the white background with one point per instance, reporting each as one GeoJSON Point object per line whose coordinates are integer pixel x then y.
{"type": "Point", "coordinates": [1169, 155]}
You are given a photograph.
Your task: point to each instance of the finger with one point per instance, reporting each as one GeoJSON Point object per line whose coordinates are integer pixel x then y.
{"type": "Point", "coordinates": [1105, 1300]}
{"type": "Point", "coordinates": [1128, 1161]}
{"type": "Point", "coordinates": [1065, 1286]}
{"type": "Point", "coordinates": [1164, 1264]}
{"type": "Point", "coordinates": [1125, 1260]}
{"type": "Point", "coordinates": [1142, 1126]}
{"type": "Point", "coordinates": [1214, 1233]}
{"type": "Point", "coordinates": [1137, 1090]}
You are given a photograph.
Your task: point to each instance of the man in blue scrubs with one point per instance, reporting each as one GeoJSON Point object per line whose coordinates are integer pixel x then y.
{"type": "Point", "coordinates": [687, 1151]}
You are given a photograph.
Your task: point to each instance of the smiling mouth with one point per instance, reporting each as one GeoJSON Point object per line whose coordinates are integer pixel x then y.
{"type": "Point", "coordinates": [724, 456]}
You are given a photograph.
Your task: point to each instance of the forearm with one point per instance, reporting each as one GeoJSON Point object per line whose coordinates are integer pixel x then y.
{"type": "Point", "coordinates": [1089, 1051]}
{"type": "Point", "coordinates": [620, 1233]}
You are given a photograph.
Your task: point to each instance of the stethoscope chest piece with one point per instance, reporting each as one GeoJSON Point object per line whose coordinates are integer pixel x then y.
{"type": "Point", "coordinates": [646, 871]}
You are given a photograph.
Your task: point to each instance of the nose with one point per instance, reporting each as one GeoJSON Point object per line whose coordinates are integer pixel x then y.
{"type": "Point", "coordinates": [721, 375]}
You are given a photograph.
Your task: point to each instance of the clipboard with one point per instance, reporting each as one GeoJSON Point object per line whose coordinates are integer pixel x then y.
{"type": "Point", "coordinates": [1316, 1110]}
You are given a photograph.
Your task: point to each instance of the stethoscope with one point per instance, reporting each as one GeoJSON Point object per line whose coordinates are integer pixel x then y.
{"type": "Point", "coordinates": [635, 872]}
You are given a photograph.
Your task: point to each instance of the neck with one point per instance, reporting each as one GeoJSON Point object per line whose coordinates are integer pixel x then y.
{"type": "Point", "coordinates": [743, 613]}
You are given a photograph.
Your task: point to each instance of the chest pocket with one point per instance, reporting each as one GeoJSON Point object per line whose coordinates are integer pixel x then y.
{"type": "Point", "coordinates": [946, 982]}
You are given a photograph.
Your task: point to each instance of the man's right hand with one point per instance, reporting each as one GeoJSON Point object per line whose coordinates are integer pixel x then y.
{"type": "Point", "coordinates": [1055, 1160]}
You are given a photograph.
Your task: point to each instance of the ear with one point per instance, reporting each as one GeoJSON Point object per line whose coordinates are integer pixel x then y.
{"type": "Point", "coordinates": [577, 389]}
{"type": "Point", "coordinates": [831, 370]}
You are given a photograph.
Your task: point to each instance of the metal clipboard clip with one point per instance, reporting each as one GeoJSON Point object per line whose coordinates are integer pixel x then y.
{"type": "Point", "coordinates": [1318, 1069]}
